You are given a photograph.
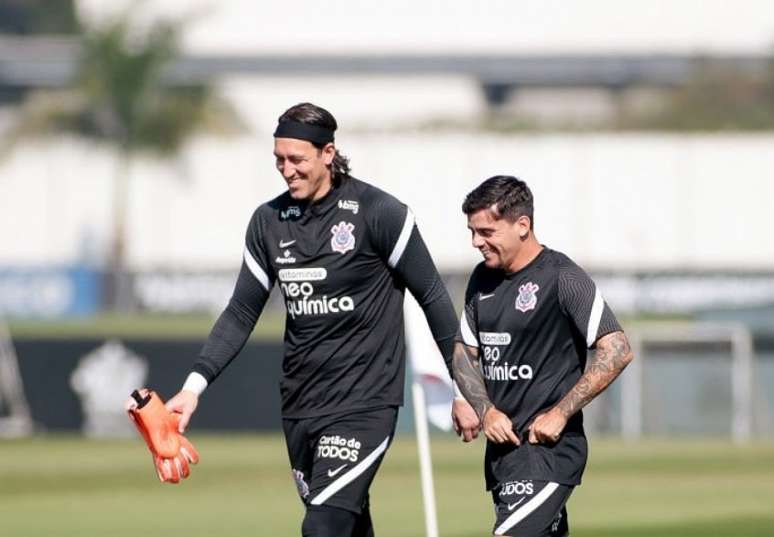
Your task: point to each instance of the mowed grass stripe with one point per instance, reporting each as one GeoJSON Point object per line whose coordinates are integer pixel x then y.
{"type": "Point", "coordinates": [69, 486]}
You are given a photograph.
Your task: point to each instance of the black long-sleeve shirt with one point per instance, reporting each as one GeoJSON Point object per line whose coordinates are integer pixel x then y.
{"type": "Point", "coordinates": [342, 264]}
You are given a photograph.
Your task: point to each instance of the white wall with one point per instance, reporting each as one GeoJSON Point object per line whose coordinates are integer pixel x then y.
{"type": "Point", "coordinates": [359, 103]}
{"type": "Point", "coordinates": [610, 201]}
{"type": "Point", "coordinates": [466, 26]}
{"type": "Point", "coordinates": [617, 202]}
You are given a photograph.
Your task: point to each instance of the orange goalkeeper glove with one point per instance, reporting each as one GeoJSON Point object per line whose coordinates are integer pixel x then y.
{"type": "Point", "coordinates": [172, 452]}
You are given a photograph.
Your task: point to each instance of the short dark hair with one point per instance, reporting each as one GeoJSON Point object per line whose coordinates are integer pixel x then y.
{"type": "Point", "coordinates": [312, 114]}
{"type": "Point", "coordinates": [509, 197]}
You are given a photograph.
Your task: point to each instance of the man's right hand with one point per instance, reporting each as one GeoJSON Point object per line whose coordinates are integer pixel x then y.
{"type": "Point", "coordinates": [498, 427]}
{"type": "Point", "coordinates": [465, 421]}
{"type": "Point", "coordinates": [184, 403]}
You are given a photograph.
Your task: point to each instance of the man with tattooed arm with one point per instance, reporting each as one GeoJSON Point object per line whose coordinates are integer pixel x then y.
{"type": "Point", "coordinates": [520, 359]}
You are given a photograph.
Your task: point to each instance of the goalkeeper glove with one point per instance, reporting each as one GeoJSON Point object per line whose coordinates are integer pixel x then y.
{"type": "Point", "coordinates": [171, 451]}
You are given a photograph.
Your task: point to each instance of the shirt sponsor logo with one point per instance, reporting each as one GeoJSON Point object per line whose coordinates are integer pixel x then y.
{"type": "Point", "coordinates": [343, 240]}
{"type": "Point", "coordinates": [299, 300]}
{"type": "Point", "coordinates": [494, 338]}
{"type": "Point", "coordinates": [506, 372]}
{"type": "Point", "coordinates": [286, 259]}
{"type": "Point", "coordinates": [349, 205]}
{"type": "Point", "coordinates": [527, 299]}
{"type": "Point", "coordinates": [338, 447]}
{"type": "Point", "coordinates": [293, 211]}
{"type": "Point", "coordinates": [302, 274]}
{"type": "Point", "coordinates": [285, 244]}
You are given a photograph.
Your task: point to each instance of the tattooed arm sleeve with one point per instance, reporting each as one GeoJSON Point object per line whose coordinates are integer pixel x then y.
{"type": "Point", "coordinates": [582, 301]}
{"type": "Point", "coordinates": [613, 354]}
{"type": "Point", "coordinates": [467, 375]}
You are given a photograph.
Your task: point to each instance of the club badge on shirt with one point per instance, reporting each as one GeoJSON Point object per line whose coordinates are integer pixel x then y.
{"type": "Point", "coordinates": [527, 299]}
{"type": "Point", "coordinates": [343, 240]}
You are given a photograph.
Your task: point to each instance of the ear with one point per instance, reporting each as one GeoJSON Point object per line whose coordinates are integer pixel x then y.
{"type": "Point", "coordinates": [328, 152]}
{"type": "Point", "coordinates": [523, 224]}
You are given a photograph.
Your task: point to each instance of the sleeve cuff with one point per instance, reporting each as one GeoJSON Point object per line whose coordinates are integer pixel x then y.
{"type": "Point", "coordinates": [195, 383]}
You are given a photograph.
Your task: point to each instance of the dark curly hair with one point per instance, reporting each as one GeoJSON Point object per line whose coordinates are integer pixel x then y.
{"type": "Point", "coordinates": [509, 197]}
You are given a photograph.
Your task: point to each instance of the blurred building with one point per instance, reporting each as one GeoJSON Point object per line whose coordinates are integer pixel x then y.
{"type": "Point", "coordinates": [416, 89]}
{"type": "Point", "coordinates": [432, 98]}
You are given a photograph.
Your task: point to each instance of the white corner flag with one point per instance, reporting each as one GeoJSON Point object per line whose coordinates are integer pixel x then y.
{"type": "Point", "coordinates": [432, 394]}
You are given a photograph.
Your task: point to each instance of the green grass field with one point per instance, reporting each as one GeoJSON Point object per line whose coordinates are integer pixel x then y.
{"type": "Point", "coordinates": [164, 326]}
{"type": "Point", "coordinates": [146, 326]}
{"type": "Point", "coordinates": [67, 486]}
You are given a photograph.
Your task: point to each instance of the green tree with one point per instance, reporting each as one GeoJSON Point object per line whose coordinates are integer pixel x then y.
{"type": "Point", "coordinates": [122, 97]}
{"type": "Point", "coordinates": [716, 98]}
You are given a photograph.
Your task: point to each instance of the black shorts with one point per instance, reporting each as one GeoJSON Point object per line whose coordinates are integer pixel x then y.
{"type": "Point", "coordinates": [334, 458]}
{"type": "Point", "coordinates": [531, 508]}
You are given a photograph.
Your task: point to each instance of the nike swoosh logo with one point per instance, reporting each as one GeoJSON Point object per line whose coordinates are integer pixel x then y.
{"type": "Point", "coordinates": [332, 473]}
{"type": "Point", "coordinates": [484, 297]}
{"type": "Point", "coordinates": [284, 244]}
{"type": "Point", "coordinates": [511, 506]}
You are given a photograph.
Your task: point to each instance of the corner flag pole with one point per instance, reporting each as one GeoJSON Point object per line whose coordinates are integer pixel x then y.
{"type": "Point", "coordinates": [432, 395]}
{"type": "Point", "coordinates": [425, 464]}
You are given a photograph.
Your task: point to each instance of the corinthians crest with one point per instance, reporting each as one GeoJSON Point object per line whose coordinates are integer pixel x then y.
{"type": "Point", "coordinates": [343, 240]}
{"type": "Point", "coordinates": [527, 299]}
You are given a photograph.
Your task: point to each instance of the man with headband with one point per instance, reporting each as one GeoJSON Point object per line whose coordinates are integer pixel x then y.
{"type": "Point", "coordinates": [342, 253]}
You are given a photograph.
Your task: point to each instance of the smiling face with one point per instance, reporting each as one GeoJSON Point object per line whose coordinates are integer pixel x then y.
{"type": "Point", "coordinates": [305, 168]}
{"type": "Point", "coordinates": [499, 240]}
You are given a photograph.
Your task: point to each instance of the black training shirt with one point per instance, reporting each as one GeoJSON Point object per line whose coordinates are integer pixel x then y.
{"type": "Point", "coordinates": [532, 329]}
{"type": "Point", "coordinates": [342, 264]}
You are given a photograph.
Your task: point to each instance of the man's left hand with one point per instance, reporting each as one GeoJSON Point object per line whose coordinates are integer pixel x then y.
{"type": "Point", "coordinates": [547, 427]}
{"type": "Point", "coordinates": [465, 420]}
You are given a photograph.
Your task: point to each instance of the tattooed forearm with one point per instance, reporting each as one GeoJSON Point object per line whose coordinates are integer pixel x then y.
{"type": "Point", "coordinates": [611, 357]}
{"type": "Point", "coordinates": [467, 374]}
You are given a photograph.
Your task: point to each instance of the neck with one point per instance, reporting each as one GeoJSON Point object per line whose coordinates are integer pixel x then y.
{"type": "Point", "coordinates": [528, 252]}
{"type": "Point", "coordinates": [322, 191]}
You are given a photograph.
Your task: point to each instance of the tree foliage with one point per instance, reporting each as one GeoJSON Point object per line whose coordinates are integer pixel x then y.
{"type": "Point", "coordinates": [122, 95]}
{"type": "Point", "coordinates": [714, 98]}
